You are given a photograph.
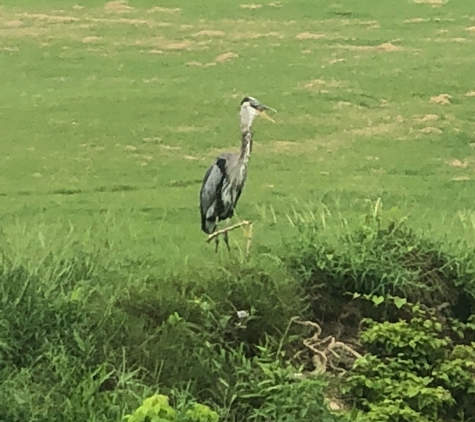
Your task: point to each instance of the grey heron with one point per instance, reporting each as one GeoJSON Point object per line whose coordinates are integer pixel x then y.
{"type": "Point", "coordinates": [224, 180]}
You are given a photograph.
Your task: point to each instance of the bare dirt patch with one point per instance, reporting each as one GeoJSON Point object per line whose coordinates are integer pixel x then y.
{"type": "Point", "coordinates": [309, 36]}
{"type": "Point", "coordinates": [117, 6]}
{"type": "Point", "coordinates": [442, 99]}
{"type": "Point", "coordinates": [226, 57]}
{"type": "Point", "coordinates": [209, 33]}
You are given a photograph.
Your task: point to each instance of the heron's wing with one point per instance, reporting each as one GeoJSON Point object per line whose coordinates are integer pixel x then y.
{"type": "Point", "coordinates": [210, 193]}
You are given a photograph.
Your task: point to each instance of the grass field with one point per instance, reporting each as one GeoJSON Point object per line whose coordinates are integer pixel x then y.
{"type": "Point", "coordinates": [112, 112]}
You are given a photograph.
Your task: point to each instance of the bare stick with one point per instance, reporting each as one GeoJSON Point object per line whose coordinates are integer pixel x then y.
{"type": "Point", "coordinates": [227, 229]}
{"type": "Point", "coordinates": [249, 240]}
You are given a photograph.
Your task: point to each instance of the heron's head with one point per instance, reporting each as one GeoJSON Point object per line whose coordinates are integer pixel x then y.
{"type": "Point", "coordinates": [250, 109]}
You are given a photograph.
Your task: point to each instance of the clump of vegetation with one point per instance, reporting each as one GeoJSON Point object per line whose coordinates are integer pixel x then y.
{"type": "Point", "coordinates": [158, 409]}
{"type": "Point", "coordinates": [227, 339]}
{"type": "Point", "coordinates": [412, 370]}
{"type": "Point", "coordinates": [382, 257]}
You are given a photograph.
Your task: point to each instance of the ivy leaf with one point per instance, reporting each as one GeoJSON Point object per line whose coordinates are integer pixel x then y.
{"type": "Point", "coordinates": [377, 300]}
{"type": "Point", "coordinates": [399, 302]}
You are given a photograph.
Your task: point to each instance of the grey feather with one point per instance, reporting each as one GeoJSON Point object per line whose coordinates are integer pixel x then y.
{"type": "Point", "coordinates": [222, 186]}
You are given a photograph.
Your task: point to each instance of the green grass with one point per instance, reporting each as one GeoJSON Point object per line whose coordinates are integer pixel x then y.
{"type": "Point", "coordinates": [83, 83]}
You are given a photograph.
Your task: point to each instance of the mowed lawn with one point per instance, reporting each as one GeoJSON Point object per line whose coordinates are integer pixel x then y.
{"type": "Point", "coordinates": [111, 112]}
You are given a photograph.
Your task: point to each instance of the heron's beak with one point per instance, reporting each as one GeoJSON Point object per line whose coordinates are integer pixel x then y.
{"type": "Point", "coordinates": [264, 114]}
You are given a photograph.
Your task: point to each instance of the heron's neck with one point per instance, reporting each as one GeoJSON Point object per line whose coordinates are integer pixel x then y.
{"type": "Point", "coordinates": [246, 146]}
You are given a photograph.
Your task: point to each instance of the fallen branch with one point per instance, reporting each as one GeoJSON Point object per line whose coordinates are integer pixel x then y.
{"type": "Point", "coordinates": [231, 228]}
{"type": "Point", "coordinates": [324, 349]}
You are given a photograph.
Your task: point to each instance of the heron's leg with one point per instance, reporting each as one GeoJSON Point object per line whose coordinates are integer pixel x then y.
{"type": "Point", "coordinates": [217, 243]}
{"type": "Point", "coordinates": [226, 240]}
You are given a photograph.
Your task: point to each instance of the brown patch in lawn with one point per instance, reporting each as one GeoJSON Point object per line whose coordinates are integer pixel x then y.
{"type": "Point", "coordinates": [322, 85]}
{"type": "Point", "coordinates": [250, 6]}
{"type": "Point", "coordinates": [431, 129]}
{"type": "Point", "coordinates": [442, 99]}
{"type": "Point", "coordinates": [433, 3]}
{"type": "Point", "coordinates": [49, 18]}
{"type": "Point", "coordinates": [249, 35]}
{"type": "Point", "coordinates": [148, 22]}
{"type": "Point", "coordinates": [385, 47]}
{"type": "Point", "coordinates": [427, 118]}
{"type": "Point", "coordinates": [471, 29]}
{"type": "Point", "coordinates": [457, 163]}
{"type": "Point", "coordinates": [470, 94]}
{"type": "Point", "coordinates": [226, 57]}
{"type": "Point", "coordinates": [89, 40]}
{"type": "Point", "coordinates": [13, 23]}
{"type": "Point", "coordinates": [416, 20]}
{"type": "Point", "coordinates": [309, 36]}
{"type": "Point", "coordinates": [117, 6]}
{"type": "Point", "coordinates": [158, 9]}
{"type": "Point", "coordinates": [209, 33]}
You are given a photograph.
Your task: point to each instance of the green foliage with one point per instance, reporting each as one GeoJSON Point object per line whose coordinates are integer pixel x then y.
{"type": "Point", "coordinates": [268, 389]}
{"type": "Point", "coordinates": [412, 371]}
{"type": "Point", "coordinates": [384, 257]}
{"type": "Point", "coordinates": [157, 409]}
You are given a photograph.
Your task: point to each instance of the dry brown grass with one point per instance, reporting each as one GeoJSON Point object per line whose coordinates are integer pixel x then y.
{"type": "Point", "coordinates": [250, 6]}
{"type": "Point", "coordinates": [309, 36]}
{"type": "Point", "coordinates": [426, 118]}
{"type": "Point", "coordinates": [226, 57]}
{"type": "Point", "coordinates": [158, 9]}
{"type": "Point", "coordinates": [209, 33]}
{"type": "Point", "coordinates": [442, 99]}
{"type": "Point", "coordinates": [118, 6]}
{"type": "Point", "coordinates": [433, 3]}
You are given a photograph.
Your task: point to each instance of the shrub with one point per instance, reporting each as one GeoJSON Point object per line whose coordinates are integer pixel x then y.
{"type": "Point", "coordinates": [412, 371]}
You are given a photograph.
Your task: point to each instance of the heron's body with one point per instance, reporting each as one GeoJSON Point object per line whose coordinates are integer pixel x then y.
{"type": "Point", "coordinates": [223, 184]}
{"type": "Point", "coordinates": [224, 180]}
